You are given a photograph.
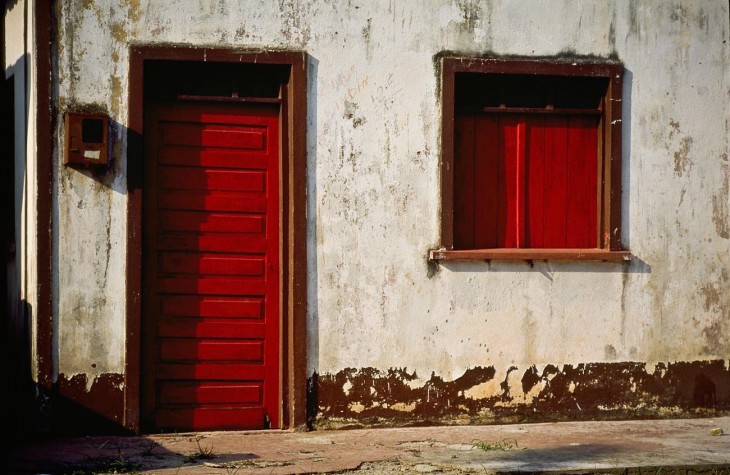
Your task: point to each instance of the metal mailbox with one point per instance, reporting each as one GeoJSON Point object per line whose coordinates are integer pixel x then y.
{"type": "Point", "coordinates": [87, 139]}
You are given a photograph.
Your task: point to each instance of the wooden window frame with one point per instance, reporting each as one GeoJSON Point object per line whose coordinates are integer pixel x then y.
{"type": "Point", "coordinates": [609, 148]}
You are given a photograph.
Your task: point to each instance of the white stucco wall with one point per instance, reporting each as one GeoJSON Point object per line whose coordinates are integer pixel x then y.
{"type": "Point", "coordinates": [14, 35]}
{"type": "Point", "coordinates": [373, 183]}
{"type": "Point", "coordinates": [90, 214]}
{"type": "Point", "coordinates": [21, 267]}
{"type": "Point", "coordinates": [15, 70]}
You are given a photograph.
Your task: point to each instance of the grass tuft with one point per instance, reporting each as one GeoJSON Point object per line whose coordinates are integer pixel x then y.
{"type": "Point", "coordinates": [504, 444]}
{"type": "Point", "coordinates": [203, 453]}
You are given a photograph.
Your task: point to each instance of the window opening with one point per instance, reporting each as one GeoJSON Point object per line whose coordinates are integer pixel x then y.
{"type": "Point", "coordinates": [531, 159]}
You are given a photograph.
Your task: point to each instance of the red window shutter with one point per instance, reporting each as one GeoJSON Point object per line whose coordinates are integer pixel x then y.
{"type": "Point", "coordinates": [556, 179]}
{"type": "Point", "coordinates": [582, 183]}
{"type": "Point", "coordinates": [464, 182]}
{"type": "Point", "coordinates": [527, 181]}
{"type": "Point", "coordinates": [535, 170]}
{"type": "Point", "coordinates": [486, 183]}
{"type": "Point", "coordinates": [510, 128]}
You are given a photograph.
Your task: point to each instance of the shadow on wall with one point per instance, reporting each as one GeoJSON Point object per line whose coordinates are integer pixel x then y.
{"type": "Point", "coordinates": [25, 419]}
{"type": "Point", "coordinates": [22, 419]}
{"type": "Point", "coordinates": [82, 409]}
{"type": "Point", "coordinates": [548, 268]}
{"type": "Point", "coordinates": [312, 242]}
{"type": "Point", "coordinates": [628, 84]}
{"type": "Point", "coordinates": [36, 412]}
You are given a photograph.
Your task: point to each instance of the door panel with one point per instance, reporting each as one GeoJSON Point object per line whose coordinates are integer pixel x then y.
{"type": "Point", "coordinates": [211, 268]}
{"type": "Point", "coordinates": [192, 393]}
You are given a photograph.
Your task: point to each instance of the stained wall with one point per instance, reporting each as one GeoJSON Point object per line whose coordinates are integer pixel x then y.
{"type": "Point", "coordinates": [459, 340]}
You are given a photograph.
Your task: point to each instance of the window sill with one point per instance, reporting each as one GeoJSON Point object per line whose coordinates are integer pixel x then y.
{"type": "Point", "coordinates": [529, 255]}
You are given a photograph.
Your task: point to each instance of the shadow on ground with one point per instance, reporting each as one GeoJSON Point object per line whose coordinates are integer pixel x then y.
{"type": "Point", "coordinates": [115, 455]}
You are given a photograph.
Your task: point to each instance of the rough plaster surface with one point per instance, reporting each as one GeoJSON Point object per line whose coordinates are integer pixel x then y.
{"type": "Point", "coordinates": [373, 183]}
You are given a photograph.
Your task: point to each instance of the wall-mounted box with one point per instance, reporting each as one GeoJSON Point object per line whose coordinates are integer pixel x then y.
{"type": "Point", "coordinates": [87, 139]}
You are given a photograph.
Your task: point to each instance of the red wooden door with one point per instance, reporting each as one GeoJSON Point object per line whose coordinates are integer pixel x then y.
{"type": "Point", "coordinates": [211, 257]}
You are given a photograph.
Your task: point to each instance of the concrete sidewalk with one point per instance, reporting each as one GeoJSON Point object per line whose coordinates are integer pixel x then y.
{"type": "Point", "coordinates": [657, 446]}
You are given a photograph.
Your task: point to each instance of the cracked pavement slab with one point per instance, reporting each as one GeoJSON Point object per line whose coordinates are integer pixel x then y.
{"type": "Point", "coordinates": [666, 446]}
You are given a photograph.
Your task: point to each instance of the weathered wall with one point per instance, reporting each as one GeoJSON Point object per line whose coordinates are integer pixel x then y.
{"type": "Point", "coordinates": [14, 329]}
{"type": "Point", "coordinates": [15, 70]}
{"type": "Point", "coordinates": [20, 262]}
{"type": "Point", "coordinates": [90, 218]}
{"type": "Point", "coordinates": [375, 303]}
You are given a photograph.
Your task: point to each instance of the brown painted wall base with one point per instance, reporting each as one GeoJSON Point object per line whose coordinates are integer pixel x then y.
{"type": "Point", "coordinates": [78, 410]}
{"type": "Point", "coordinates": [370, 397]}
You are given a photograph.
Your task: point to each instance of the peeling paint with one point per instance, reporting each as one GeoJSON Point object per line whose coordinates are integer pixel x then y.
{"type": "Point", "coordinates": [712, 296]}
{"type": "Point", "coordinates": [373, 138]}
{"type": "Point", "coordinates": [134, 10]}
{"type": "Point", "coordinates": [118, 32]}
{"type": "Point", "coordinates": [721, 203]}
{"type": "Point", "coordinates": [402, 407]}
{"type": "Point", "coordinates": [583, 391]}
{"type": "Point", "coordinates": [366, 32]}
{"type": "Point", "coordinates": [86, 405]}
{"type": "Point", "coordinates": [682, 161]}
{"type": "Point", "coordinates": [296, 27]}
{"type": "Point", "coordinates": [116, 90]}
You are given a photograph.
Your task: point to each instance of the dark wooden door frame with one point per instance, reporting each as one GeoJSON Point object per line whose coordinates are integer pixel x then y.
{"type": "Point", "coordinates": [292, 214]}
{"type": "Point", "coordinates": [45, 139]}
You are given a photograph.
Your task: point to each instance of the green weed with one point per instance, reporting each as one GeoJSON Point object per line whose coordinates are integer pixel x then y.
{"type": "Point", "coordinates": [203, 453]}
{"type": "Point", "coordinates": [504, 444]}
